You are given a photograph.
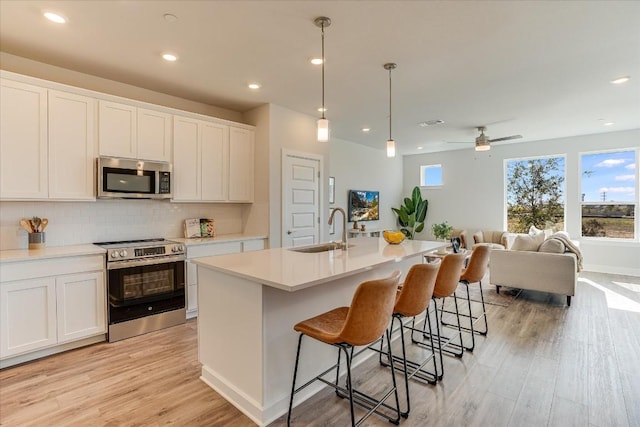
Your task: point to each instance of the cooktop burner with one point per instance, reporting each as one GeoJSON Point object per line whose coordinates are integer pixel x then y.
{"type": "Point", "coordinates": [133, 243]}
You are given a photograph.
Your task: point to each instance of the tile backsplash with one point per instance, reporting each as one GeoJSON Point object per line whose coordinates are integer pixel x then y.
{"type": "Point", "coordinates": [73, 223]}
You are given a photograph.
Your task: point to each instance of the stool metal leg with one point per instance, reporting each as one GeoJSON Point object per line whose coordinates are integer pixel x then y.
{"type": "Point", "coordinates": [293, 385]}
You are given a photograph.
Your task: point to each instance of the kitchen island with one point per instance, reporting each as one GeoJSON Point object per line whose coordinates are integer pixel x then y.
{"type": "Point", "coordinates": [249, 302]}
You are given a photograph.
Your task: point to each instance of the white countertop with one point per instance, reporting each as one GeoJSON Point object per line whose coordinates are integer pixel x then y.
{"type": "Point", "coordinates": [237, 237]}
{"type": "Point", "coordinates": [16, 255]}
{"type": "Point", "coordinates": [291, 271]}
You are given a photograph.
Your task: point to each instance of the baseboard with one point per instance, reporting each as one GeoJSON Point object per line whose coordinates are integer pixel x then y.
{"type": "Point", "coordinates": [611, 270]}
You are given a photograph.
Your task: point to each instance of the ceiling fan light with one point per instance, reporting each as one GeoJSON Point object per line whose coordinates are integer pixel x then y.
{"type": "Point", "coordinates": [323, 130]}
{"type": "Point", "coordinates": [391, 148]}
{"type": "Point", "coordinates": [482, 146]}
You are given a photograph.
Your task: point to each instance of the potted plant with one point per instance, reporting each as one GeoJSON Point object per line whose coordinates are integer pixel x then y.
{"type": "Point", "coordinates": [442, 230]}
{"type": "Point", "coordinates": [412, 214]}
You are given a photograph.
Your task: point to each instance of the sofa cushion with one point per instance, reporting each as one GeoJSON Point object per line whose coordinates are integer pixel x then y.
{"type": "Point", "coordinates": [478, 237]}
{"type": "Point", "coordinates": [525, 242]}
{"type": "Point", "coordinates": [552, 246]}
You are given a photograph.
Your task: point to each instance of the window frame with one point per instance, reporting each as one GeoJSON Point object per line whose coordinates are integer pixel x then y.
{"type": "Point", "coordinates": [505, 199]}
{"type": "Point", "coordinates": [636, 202]}
{"type": "Point", "coordinates": [423, 176]}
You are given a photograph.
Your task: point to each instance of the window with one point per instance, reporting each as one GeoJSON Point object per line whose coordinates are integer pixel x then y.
{"type": "Point", "coordinates": [535, 193]}
{"type": "Point", "coordinates": [609, 194]}
{"type": "Point", "coordinates": [431, 175]}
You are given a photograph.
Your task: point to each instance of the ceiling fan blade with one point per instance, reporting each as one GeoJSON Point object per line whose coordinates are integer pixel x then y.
{"type": "Point", "coordinates": [506, 138]}
{"type": "Point", "coordinates": [459, 142]}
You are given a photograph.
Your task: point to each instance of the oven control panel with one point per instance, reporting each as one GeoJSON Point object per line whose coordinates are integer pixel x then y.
{"type": "Point", "coordinates": [145, 252]}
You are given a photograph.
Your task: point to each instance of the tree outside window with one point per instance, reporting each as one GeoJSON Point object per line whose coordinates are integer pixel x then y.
{"type": "Point", "coordinates": [535, 193]}
{"type": "Point", "coordinates": [609, 194]}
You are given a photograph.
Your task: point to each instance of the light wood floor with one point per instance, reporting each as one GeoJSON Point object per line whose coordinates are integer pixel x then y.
{"type": "Point", "coordinates": [541, 364]}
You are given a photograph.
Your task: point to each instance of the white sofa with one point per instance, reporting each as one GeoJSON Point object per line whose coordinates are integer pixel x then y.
{"type": "Point", "coordinates": [538, 271]}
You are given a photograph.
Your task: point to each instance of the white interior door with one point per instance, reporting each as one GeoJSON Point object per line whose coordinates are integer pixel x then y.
{"type": "Point", "coordinates": [301, 200]}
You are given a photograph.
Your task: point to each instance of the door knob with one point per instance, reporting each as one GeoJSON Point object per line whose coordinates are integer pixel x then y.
{"type": "Point", "coordinates": [289, 232]}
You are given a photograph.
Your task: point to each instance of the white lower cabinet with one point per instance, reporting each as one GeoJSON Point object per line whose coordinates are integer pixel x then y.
{"type": "Point", "coordinates": [50, 303]}
{"type": "Point", "coordinates": [81, 306]}
{"type": "Point", "coordinates": [205, 250]}
{"type": "Point", "coordinates": [28, 314]}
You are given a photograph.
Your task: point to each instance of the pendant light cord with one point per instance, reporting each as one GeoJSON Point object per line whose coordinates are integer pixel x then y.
{"type": "Point", "coordinates": [390, 103]}
{"type": "Point", "coordinates": [322, 27]}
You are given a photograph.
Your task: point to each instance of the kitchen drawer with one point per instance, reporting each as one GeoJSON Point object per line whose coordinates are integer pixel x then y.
{"type": "Point", "coordinates": [199, 251]}
{"type": "Point", "coordinates": [252, 245]}
{"type": "Point", "coordinates": [21, 270]}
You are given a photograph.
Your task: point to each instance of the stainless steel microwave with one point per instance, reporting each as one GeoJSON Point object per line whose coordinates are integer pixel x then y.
{"type": "Point", "coordinates": [133, 179]}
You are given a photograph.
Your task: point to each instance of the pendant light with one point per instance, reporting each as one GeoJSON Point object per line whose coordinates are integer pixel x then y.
{"type": "Point", "coordinates": [391, 144]}
{"type": "Point", "coordinates": [323, 123]}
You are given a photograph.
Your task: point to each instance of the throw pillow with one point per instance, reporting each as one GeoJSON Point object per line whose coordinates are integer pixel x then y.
{"type": "Point", "coordinates": [533, 230]}
{"type": "Point", "coordinates": [554, 246]}
{"type": "Point", "coordinates": [478, 237]}
{"type": "Point", "coordinates": [525, 242]}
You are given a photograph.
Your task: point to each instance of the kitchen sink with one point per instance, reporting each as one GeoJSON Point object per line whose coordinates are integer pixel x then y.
{"type": "Point", "coordinates": [320, 247]}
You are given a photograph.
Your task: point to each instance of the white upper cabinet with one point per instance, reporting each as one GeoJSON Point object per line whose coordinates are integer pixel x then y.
{"type": "Point", "coordinates": [134, 133]}
{"type": "Point", "coordinates": [213, 161]}
{"type": "Point", "coordinates": [186, 178]}
{"type": "Point", "coordinates": [117, 130]}
{"type": "Point", "coordinates": [72, 141]}
{"type": "Point", "coordinates": [154, 135]}
{"type": "Point", "coordinates": [241, 148]}
{"type": "Point", "coordinates": [200, 160]}
{"type": "Point", "coordinates": [23, 141]}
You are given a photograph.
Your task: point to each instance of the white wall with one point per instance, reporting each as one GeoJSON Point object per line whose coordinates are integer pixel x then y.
{"type": "Point", "coordinates": [473, 192]}
{"type": "Point", "coordinates": [52, 73]}
{"type": "Point", "coordinates": [290, 130]}
{"type": "Point", "coordinates": [73, 223]}
{"type": "Point", "coordinates": [356, 167]}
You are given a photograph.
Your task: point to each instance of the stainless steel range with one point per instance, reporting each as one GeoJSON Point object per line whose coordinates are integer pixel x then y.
{"type": "Point", "coordinates": [146, 286]}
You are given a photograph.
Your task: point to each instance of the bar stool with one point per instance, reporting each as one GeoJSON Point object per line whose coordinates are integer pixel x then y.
{"type": "Point", "coordinates": [361, 324]}
{"type": "Point", "coordinates": [475, 271]}
{"type": "Point", "coordinates": [446, 284]}
{"type": "Point", "coordinates": [413, 298]}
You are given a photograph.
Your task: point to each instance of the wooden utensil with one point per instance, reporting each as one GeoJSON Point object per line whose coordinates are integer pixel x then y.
{"type": "Point", "coordinates": [26, 225]}
{"type": "Point", "coordinates": [35, 221]}
{"type": "Point", "coordinates": [43, 224]}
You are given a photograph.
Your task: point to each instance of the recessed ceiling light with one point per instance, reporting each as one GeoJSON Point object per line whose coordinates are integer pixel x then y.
{"type": "Point", "coordinates": [419, 148]}
{"type": "Point", "coordinates": [322, 110]}
{"type": "Point", "coordinates": [609, 124]}
{"type": "Point", "coordinates": [169, 57]}
{"type": "Point", "coordinates": [366, 129]}
{"type": "Point", "coordinates": [431, 123]}
{"type": "Point", "coordinates": [316, 61]}
{"type": "Point", "coordinates": [254, 86]}
{"type": "Point", "coordinates": [55, 17]}
{"type": "Point", "coordinates": [170, 17]}
{"type": "Point", "coordinates": [620, 80]}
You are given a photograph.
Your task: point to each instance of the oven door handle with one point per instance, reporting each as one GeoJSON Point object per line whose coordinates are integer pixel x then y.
{"type": "Point", "coordinates": [143, 262]}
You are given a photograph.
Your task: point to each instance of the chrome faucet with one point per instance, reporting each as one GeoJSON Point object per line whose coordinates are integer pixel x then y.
{"type": "Point", "coordinates": [343, 244]}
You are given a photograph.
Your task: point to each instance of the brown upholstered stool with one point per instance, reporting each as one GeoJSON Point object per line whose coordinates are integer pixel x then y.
{"type": "Point", "coordinates": [446, 284]}
{"type": "Point", "coordinates": [412, 300]}
{"type": "Point", "coordinates": [475, 271]}
{"type": "Point", "coordinates": [360, 324]}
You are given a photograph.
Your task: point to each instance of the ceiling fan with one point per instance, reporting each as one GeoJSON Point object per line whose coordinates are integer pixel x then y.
{"type": "Point", "coordinates": [483, 141]}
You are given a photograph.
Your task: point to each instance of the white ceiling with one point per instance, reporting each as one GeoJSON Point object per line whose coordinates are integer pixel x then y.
{"type": "Point", "coordinates": [536, 68]}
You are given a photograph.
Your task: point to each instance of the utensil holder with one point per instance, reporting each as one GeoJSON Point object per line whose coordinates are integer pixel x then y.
{"type": "Point", "coordinates": [36, 240]}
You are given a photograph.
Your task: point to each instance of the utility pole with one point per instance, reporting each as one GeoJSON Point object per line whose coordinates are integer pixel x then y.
{"type": "Point", "coordinates": [603, 196]}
